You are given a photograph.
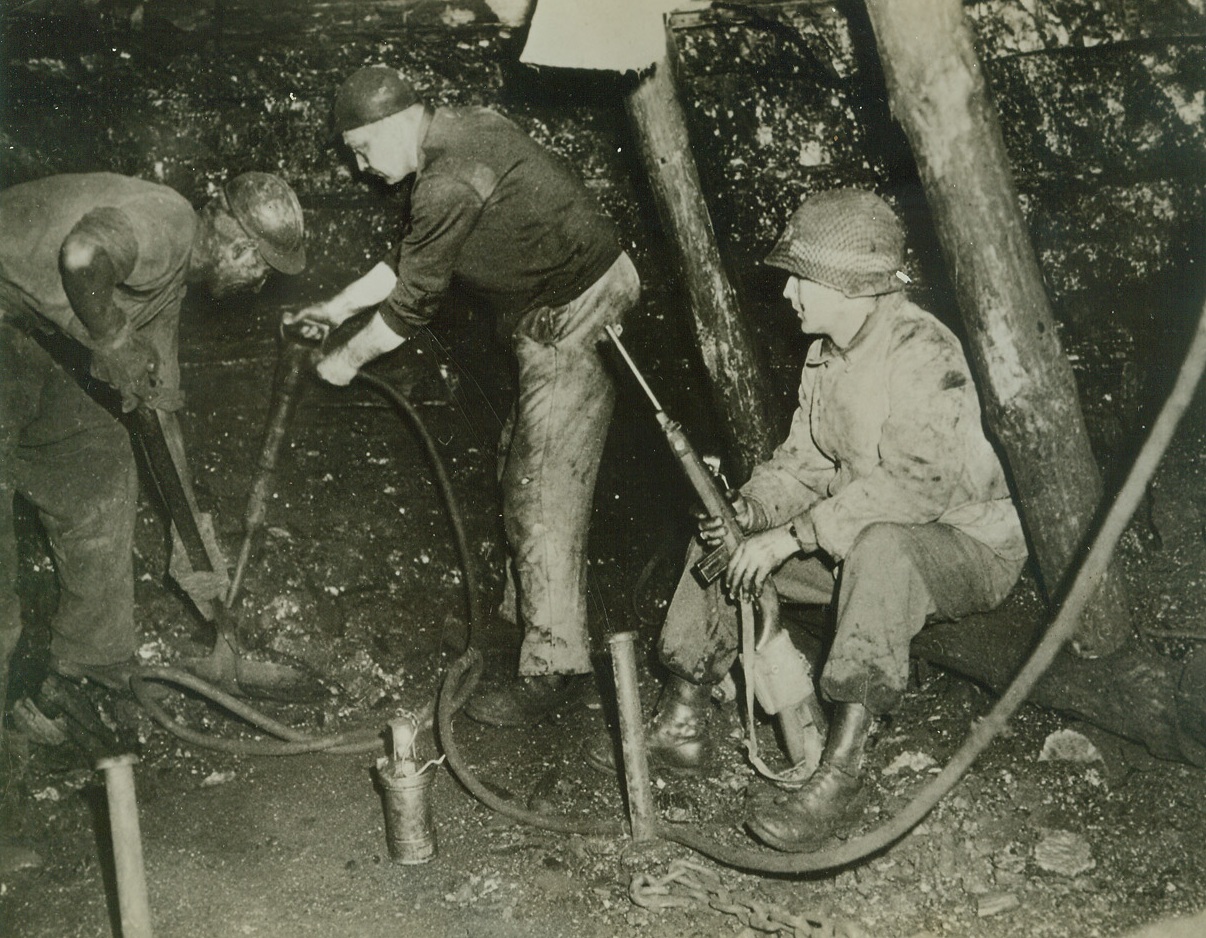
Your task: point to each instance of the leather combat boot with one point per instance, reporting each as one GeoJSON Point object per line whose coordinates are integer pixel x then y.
{"type": "Point", "coordinates": [802, 821]}
{"type": "Point", "coordinates": [676, 738]}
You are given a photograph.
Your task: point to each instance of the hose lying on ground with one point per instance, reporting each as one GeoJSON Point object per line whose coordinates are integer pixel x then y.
{"type": "Point", "coordinates": [463, 674]}
{"type": "Point", "coordinates": [460, 679]}
{"type": "Point", "coordinates": [1089, 575]}
{"type": "Point", "coordinates": [291, 741]}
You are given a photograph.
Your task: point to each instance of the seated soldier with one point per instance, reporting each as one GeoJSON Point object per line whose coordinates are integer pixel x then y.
{"type": "Point", "coordinates": [886, 499]}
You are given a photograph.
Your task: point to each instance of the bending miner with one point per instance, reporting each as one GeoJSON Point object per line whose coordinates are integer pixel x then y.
{"type": "Point", "coordinates": [93, 270]}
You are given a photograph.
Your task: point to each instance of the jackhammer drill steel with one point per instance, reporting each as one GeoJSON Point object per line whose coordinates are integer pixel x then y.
{"type": "Point", "coordinates": [642, 811]}
{"type": "Point", "coordinates": [292, 365]}
{"type": "Point", "coordinates": [127, 846]}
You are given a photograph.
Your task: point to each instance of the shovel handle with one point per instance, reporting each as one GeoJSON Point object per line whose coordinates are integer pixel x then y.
{"type": "Point", "coordinates": [171, 487]}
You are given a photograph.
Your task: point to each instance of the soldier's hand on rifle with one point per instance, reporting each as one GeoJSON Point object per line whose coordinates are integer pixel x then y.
{"type": "Point", "coordinates": [711, 528]}
{"type": "Point", "coordinates": [756, 558]}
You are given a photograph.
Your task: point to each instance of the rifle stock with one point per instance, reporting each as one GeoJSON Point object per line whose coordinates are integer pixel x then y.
{"type": "Point", "coordinates": [775, 671]}
{"type": "Point", "coordinates": [715, 501]}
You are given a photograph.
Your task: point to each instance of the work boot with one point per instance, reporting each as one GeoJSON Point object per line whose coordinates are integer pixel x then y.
{"type": "Point", "coordinates": [61, 712]}
{"type": "Point", "coordinates": [527, 700]}
{"type": "Point", "coordinates": [114, 677]}
{"type": "Point", "coordinates": [802, 821]}
{"type": "Point", "coordinates": [676, 739]}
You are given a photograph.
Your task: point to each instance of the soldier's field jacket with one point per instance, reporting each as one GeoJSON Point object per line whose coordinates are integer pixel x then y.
{"type": "Point", "coordinates": [888, 430]}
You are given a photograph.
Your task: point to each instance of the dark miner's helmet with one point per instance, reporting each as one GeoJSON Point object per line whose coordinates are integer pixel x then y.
{"type": "Point", "coordinates": [369, 95]}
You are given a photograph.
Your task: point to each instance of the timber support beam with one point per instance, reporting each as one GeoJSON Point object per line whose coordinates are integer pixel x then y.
{"type": "Point", "coordinates": [739, 383]}
{"type": "Point", "coordinates": [937, 92]}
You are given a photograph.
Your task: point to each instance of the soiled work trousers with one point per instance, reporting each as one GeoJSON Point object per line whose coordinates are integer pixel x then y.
{"type": "Point", "coordinates": [548, 462]}
{"type": "Point", "coordinates": [64, 453]}
{"type": "Point", "coordinates": [895, 578]}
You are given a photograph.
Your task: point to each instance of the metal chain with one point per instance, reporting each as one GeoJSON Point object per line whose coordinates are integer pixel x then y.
{"type": "Point", "coordinates": [689, 884]}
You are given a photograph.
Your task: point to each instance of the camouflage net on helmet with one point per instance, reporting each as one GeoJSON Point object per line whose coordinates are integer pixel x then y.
{"type": "Point", "coordinates": [847, 239]}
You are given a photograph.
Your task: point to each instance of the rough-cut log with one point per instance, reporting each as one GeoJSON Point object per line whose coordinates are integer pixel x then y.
{"type": "Point", "coordinates": [738, 382]}
{"type": "Point", "coordinates": [1136, 694]}
{"type": "Point", "coordinates": [938, 94]}
{"type": "Point", "coordinates": [1141, 696]}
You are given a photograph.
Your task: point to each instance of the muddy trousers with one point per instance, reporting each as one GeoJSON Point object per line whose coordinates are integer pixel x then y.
{"type": "Point", "coordinates": [895, 578]}
{"type": "Point", "coordinates": [548, 462]}
{"type": "Point", "coordinates": [72, 461]}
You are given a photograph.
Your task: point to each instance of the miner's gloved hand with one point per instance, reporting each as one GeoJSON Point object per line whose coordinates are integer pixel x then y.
{"type": "Point", "coordinates": [335, 369]}
{"type": "Point", "coordinates": [127, 361]}
{"type": "Point", "coordinates": [312, 323]}
{"type": "Point", "coordinates": [160, 396]}
{"type": "Point", "coordinates": [355, 342]}
{"type": "Point", "coordinates": [318, 323]}
{"type": "Point", "coordinates": [203, 586]}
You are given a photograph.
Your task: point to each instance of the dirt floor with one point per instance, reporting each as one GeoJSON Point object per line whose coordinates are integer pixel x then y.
{"type": "Point", "coordinates": [356, 576]}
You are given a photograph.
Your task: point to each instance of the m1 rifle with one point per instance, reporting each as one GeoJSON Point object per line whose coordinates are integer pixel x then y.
{"type": "Point", "coordinates": [776, 672]}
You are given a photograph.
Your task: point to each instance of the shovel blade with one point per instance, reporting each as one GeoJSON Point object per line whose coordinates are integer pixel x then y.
{"type": "Point", "coordinates": [268, 680]}
{"type": "Point", "coordinates": [259, 680]}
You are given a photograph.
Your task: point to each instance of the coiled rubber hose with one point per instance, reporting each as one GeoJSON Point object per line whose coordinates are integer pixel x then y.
{"type": "Point", "coordinates": [290, 741]}
{"type": "Point", "coordinates": [1089, 575]}
{"type": "Point", "coordinates": [464, 673]}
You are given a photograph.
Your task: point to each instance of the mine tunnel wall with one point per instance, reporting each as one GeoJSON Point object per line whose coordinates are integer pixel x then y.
{"type": "Point", "coordinates": [1102, 108]}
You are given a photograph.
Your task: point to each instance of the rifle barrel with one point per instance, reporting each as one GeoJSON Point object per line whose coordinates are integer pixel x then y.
{"type": "Point", "coordinates": [614, 334]}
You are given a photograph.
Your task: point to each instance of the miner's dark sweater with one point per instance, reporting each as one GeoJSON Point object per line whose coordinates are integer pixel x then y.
{"type": "Point", "coordinates": [502, 215]}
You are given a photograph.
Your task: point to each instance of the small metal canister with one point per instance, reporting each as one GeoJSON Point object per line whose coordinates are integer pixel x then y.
{"type": "Point", "coordinates": [405, 790]}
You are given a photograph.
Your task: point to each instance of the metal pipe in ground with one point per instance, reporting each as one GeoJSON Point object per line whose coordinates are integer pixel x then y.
{"type": "Point", "coordinates": [127, 846]}
{"type": "Point", "coordinates": [641, 810]}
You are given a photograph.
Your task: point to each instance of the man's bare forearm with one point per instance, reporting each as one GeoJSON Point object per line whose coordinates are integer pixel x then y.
{"type": "Point", "coordinates": [373, 288]}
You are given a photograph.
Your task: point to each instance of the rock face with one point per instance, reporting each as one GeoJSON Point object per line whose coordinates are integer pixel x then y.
{"type": "Point", "coordinates": [1102, 107]}
{"type": "Point", "coordinates": [1102, 115]}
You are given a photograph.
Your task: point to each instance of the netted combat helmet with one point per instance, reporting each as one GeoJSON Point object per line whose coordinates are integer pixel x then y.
{"type": "Point", "coordinates": [847, 239]}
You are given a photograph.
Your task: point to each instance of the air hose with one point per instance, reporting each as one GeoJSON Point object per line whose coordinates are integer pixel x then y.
{"type": "Point", "coordinates": [289, 740]}
{"type": "Point", "coordinates": [467, 669]}
{"type": "Point", "coordinates": [459, 680]}
{"type": "Point", "coordinates": [464, 673]}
